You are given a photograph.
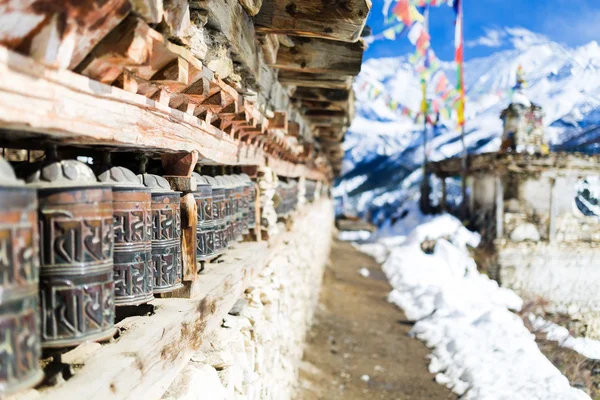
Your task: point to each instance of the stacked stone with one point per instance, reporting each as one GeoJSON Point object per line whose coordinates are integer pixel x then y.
{"type": "Point", "coordinates": [267, 186]}
{"type": "Point", "coordinates": [257, 352]}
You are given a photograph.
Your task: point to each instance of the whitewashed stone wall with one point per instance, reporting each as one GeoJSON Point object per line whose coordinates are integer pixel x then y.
{"type": "Point", "coordinates": [255, 354]}
{"type": "Point", "coordinates": [565, 275]}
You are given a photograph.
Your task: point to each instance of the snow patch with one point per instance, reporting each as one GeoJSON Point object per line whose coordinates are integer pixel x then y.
{"type": "Point", "coordinates": [589, 348]}
{"type": "Point", "coordinates": [480, 349]}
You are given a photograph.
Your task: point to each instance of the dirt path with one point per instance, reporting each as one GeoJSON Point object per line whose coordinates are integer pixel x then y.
{"type": "Point", "coordinates": [357, 332]}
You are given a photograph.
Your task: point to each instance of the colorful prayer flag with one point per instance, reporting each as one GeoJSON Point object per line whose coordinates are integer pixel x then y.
{"type": "Point", "coordinates": [459, 58]}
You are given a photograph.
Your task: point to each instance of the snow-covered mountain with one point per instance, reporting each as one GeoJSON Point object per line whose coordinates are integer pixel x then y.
{"type": "Point", "coordinates": [384, 149]}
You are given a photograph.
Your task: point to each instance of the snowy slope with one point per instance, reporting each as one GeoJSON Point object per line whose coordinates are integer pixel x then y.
{"type": "Point", "coordinates": [383, 148]}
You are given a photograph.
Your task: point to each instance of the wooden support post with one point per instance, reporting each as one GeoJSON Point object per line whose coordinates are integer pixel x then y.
{"type": "Point", "coordinates": [499, 207]}
{"type": "Point", "coordinates": [179, 168]}
{"type": "Point", "coordinates": [443, 201]}
{"type": "Point", "coordinates": [189, 220]}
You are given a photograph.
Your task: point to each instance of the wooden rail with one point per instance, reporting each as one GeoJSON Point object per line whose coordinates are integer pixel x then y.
{"type": "Point", "coordinates": [152, 350]}
{"type": "Point", "coordinates": [70, 109]}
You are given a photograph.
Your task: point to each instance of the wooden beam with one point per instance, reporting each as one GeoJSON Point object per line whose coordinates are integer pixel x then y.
{"type": "Point", "coordinates": [321, 56]}
{"type": "Point", "coordinates": [319, 94]}
{"type": "Point", "coordinates": [58, 33]}
{"type": "Point", "coordinates": [32, 97]}
{"type": "Point", "coordinates": [306, 105]}
{"type": "Point", "coordinates": [341, 20]}
{"type": "Point", "coordinates": [327, 80]}
{"type": "Point", "coordinates": [133, 46]}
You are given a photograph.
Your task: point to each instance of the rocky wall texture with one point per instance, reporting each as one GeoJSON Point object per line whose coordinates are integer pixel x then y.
{"type": "Point", "coordinates": [256, 352]}
{"type": "Point", "coordinates": [563, 275]}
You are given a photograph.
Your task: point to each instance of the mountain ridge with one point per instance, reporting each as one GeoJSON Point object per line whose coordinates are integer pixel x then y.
{"type": "Point", "coordinates": [384, 149]}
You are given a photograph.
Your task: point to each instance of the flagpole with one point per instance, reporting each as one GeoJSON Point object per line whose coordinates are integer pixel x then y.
{"type": "Point", "coordinates": [425, 190]}
{"type": "Point", "coordinates": [459, 45]}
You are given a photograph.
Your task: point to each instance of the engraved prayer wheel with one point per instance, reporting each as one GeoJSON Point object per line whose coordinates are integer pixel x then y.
{"type": "Point", "coordinates": [132, 224]}
{"type": "Point", "coordinates": [293, 195]}
{"type": "Point", "coordinates": [281, 194]}
{"type": "Point", "coordinates": [19, 302]}
{"type": "Point", "coordinates": [251, 201]}
{"type": "Point", "coordinates": [311, 187]}
{"type": "Point", "coordinates": [219, 214]}
{"type": "Point", "coordinates": [76, 253]}
{"type": "Point", "coordinates": [228, 202]}
{"type": "Point", "coordinates": [237, 209]}
{"type": "Point", "coordinates": [206, 227]}
{"type": "Point", "coordinates": [246, 184]}
{"type": "Point", "coordinates": [166, 234]}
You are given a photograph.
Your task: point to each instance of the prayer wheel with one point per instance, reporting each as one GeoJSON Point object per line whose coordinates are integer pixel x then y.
{"type": "Point", "coordinates": [219, 214]}
{"type": "Point", "coordinates": [228, 202]}
{"type": "Point", "coordinates": [251, 201]}
{"type": "Point", "coordinates": [206, 227]}
{"type": "Point", "coordinates": [76, 253]}
{"type": "Point", "coordinates": [132, 224]}
{"type": "Point", "coordinates": [311, 187]}
{"type": "Point", "coordinates": [280, 197]}
{"type": "Point", "coordinates": [237, 209]}
{"type": "Point", "coordinates": [166, 234]}
{"type": "Point", "coordinates": [246, 185]}
{"type": "Point", "coordinates": [19, 266]}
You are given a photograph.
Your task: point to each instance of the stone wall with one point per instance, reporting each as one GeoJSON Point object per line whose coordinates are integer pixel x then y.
{"type": "Point", "coordinates": [565, 276]}
{"type": "Point", "coordinates": [256, 352]}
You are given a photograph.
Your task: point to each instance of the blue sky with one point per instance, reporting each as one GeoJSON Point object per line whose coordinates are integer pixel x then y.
{"type": "Point", "coordinates": [570, 22]}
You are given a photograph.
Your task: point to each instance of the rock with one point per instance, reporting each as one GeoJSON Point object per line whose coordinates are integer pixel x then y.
{"type": "Point", "coordinates": [238, 307]}
{"type": "Point", "coordinates": [365, 378]}
{"type": "Point", "coordinates": [258, 350]}
{"type": "Point", "coordinates": [525, 232]}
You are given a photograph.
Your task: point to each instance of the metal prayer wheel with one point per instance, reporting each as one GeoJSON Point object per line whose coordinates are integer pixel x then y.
{"type": "Point", "coordinates": [237, 210]}
{"type": "Point", "coordinates": [219, 215]}
{"type": "Point", "coordinates": [228, 208]}
{"type": "Point", "coordinates": [166, 234]}
{"type": "Point", "coordinates": [311, 188]}
{"type": "Point", "coordinates": [19, 266]}
{"type": "Point", "coordinates": [76, 253]}
{"type": "Point", "coordinates": [281, 194]}
{"type": "Point", "coordinates": [246, 185]}
{"type": "Point", "coordinates": [206, 227]}
{"type": "Point", "coordinates": [293, 195]}
{"type": "Point", "coordinates": [251, 201]}
{"type": "Point", "coordinates": [132, 224]}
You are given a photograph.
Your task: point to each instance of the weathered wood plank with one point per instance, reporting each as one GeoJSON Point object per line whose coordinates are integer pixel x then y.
{"type": "Point", "coordinates": [58, 33]}
{"type": "Point", "coordinates": [341, 20]}
{"type": "Point", "coordinates": [71, 109]}
{"type": "Point", "coordinates": [143, 362]}
{"type": "Point", "coordinates": [327, 80]}
{"type": "Point", "coordinates": [321, 56]}
{"type": "Point", "coordinates": [320, 94]}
